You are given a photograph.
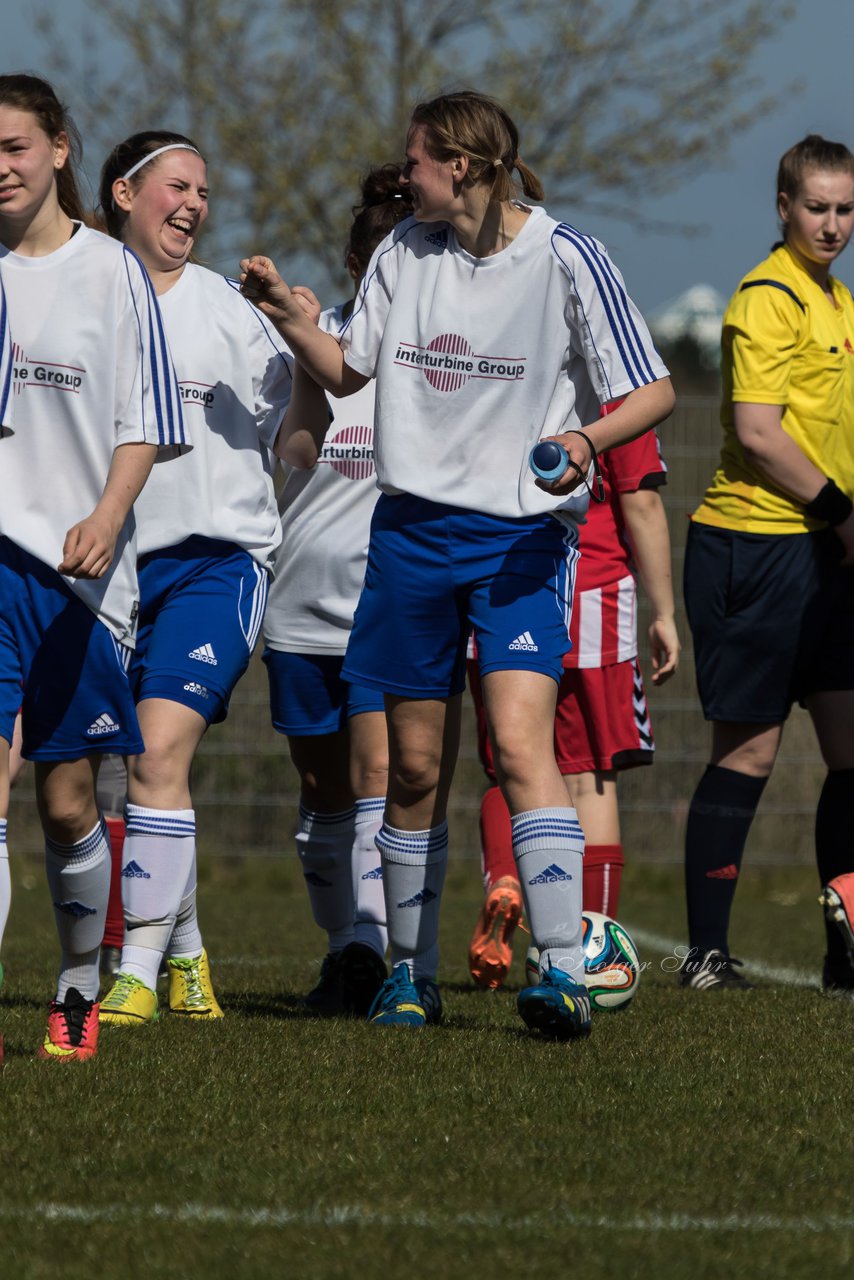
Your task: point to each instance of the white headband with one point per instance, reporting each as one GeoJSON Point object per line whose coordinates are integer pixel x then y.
{"type": "Point", "coordinates": [172, 146]}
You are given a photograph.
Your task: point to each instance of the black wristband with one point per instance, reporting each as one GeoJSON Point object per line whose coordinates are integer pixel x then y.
{"type": "Point", "coordinates": [830, 504]}
{"type": "Point", "coordinates": [597, 493]}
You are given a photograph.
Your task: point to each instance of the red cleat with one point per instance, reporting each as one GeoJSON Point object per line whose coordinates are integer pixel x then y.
{"type": "Point", "coordinates": [72, 1029]}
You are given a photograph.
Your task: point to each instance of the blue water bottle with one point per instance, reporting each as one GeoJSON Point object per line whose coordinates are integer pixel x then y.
{"type": "Point", "coordinates": [548, 460]}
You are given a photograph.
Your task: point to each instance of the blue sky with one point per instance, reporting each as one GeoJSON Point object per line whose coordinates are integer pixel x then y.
{"type": "Point", "coordinates": [734, 203]}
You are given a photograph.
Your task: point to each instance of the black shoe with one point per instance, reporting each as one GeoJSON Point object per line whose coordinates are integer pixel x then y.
{"type": "Point", "coordinates": [326, 999]}
{"type": "Point", "coordinates": [712, 969]}
{"type": "Point", "coordinates": [837, 975]}
{"type": "Point", "coordinates": [361, 973]}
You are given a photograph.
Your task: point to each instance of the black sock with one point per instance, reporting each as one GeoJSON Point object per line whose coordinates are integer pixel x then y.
{"type": "Point", "coordinates": [834, 844]}
{"type": "Point", "coordinates": [722, 809]}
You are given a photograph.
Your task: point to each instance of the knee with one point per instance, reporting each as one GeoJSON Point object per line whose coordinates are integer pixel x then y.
{"type": "Point", "coordinates": [417, 771]}
{"type": "Point", "coordinates": [517, 759]}
{"type": "Point", "coordinates": [370, 778]}
{"type": "Point", "coordinates": [68, 816]}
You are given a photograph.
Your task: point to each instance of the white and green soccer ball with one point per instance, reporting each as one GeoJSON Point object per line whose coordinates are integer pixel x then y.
{"type": "Point", "coordinates": [611, 964]}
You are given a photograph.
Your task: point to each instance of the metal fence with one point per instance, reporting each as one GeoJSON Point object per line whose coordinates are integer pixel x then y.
{"type": "Point", "coordinates": [245, 790]}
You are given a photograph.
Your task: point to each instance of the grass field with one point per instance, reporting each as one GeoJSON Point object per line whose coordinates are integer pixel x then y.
{"type": "Point", "coordinates": [694, 1135]}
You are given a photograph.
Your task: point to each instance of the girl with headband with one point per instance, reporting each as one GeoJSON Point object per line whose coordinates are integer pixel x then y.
{"type": "Point", "coordinates": [208, 533]}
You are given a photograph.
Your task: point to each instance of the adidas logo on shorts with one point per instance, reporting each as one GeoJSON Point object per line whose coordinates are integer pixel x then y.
{"type": "Point", "coordinates": [524, 641]}
{"type": "Point", "coordinates": [104, 724]}
{"type": "Point", "coordinates": [204, 653]}
{"type": "Point", "coordinates": [198, 689]}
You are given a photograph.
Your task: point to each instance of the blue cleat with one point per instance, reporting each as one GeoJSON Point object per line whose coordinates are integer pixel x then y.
{"type": "Point", "coordinates": [400, 1002]}
{"type": "Point", "coordinates": [558, 1007]}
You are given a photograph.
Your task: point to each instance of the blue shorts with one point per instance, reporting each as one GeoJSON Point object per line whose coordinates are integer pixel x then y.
{"type": "Point", "coordinates": [308, 697]}
{"type": "Point", "coordinates": [765, 625]}
{"type": "Point", "coordinates": [436, 572]}
{"type": "Point", "coordinates": [76, 698]}
{"type": "Point", "coordinates": [201, 607]}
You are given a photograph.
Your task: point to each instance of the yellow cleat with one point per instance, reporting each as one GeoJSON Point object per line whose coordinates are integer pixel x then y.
{"type": "Point", "coordinates": [130, 1003]}
{"type": "Point", "coordinates": [190, 987]}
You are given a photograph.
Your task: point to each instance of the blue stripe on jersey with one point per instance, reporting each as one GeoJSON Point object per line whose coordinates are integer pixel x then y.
{"type": "Point", "coordinates": [774, 284]}
{"type": "Point", "coordinates": [5, 357]}
{"type": "Point", "coordinates": [167, 399]}
{"type": "Point", "coordinates": [266, 326]}
{"type": "Point", "coordinates": [614, 300]}
{"type": "Point", "coordinates": [402, 229]}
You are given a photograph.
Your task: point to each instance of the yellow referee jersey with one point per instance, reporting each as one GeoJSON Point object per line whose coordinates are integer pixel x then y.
{"type": "Point", "coordinates": [784, 343]}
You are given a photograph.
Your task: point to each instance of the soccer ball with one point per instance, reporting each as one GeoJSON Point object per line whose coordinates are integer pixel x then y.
{"type": "Point", "coordinates": [611, 964]}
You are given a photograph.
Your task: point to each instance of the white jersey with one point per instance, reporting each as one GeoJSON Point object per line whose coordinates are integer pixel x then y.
{"type": "Point", "coordinates": [91, 370]}
{"type": "Point", "coordinates": [326, 517]}
{"type": "Point", "coordinates": [235, 378]}
{"type": "Point", "coordinates": [476, 359]}
{"type": "Point", "coordinates": [6, 364]}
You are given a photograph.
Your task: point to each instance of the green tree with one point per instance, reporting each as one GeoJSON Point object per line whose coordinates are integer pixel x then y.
{"type": "Point", "coordinates": [292, 100]}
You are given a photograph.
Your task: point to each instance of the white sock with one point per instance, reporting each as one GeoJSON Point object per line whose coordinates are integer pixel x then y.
{"type": "Point", "coordinates": [369, 918]}
{"type": "Point", "coordinates": [324, 843]}
{"type": "Point", "coordinates": [186, 940]}
{"type": "Point", "coordinates": [160, 848]}
{"type": "Point", "coordinates": [78, 876]}
{"type": "Point", "coordinates": [414, 865]}
{"type": "Point", "coordinates": [548, 845]}
{"type": "Point", "coordinates": [5, 880]}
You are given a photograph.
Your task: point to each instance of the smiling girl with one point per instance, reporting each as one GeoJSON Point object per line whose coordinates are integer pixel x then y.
{"type": "Point", "coordinates": [93, 399]}
{"type": "Point", "coordinates": [769, 586]}
{"type": "Point", "coordinates": [488, 326]}
{"type": "Point", "coordinates": [209, 529]}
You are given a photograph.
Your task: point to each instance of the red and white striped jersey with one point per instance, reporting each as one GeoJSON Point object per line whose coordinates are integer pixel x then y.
{"type": "Point", "coordinates": [603, 628]}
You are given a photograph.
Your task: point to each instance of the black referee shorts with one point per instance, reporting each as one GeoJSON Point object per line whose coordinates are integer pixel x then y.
{"type": "Point", "coordinates": [765, 620]}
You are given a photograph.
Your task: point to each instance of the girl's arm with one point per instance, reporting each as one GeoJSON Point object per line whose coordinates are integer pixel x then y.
{"type": "Point", "coordinates": [646, 524]}
{"type": "Point", "coordinates": [318, 352]}
{"type": "Point", "coordinates": [305, 423]}
{"type": "Point", "coordinates": [774, 454]}
{"type": "Point", "coordinates": [89, 546]}
{"type": "Point", "coordinates": [642, 408]}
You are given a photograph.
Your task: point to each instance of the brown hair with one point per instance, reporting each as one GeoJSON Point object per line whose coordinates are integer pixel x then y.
{"type": "Point", "coordinates": [36, 96]}
{"type": "Point", "coordinates": [384, 204]}
{"type": "Point", "coordinates": [813, 152]}
{"type": "Point", "coordinates": [473, 125]}
{"type": "Point", "coordinates": [122, 158]}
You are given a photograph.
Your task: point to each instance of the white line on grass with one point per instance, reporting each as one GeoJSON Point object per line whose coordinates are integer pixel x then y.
{"type": "Point", "coordinates": [357, 1216]}
{"type": "Point", "coordinates": [668, 948]}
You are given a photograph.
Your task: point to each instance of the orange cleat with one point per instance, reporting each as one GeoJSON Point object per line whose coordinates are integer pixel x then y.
{"type": "Point", "coordinates": [72, 1029]}
{"type": "Point", "coordinates": [837, 898]}
{"type": "Point", "coordinates": [491, 947]}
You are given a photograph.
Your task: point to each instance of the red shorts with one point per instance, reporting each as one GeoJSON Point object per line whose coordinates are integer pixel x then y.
{"type": "Point", "coordinates": [601, 722]}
